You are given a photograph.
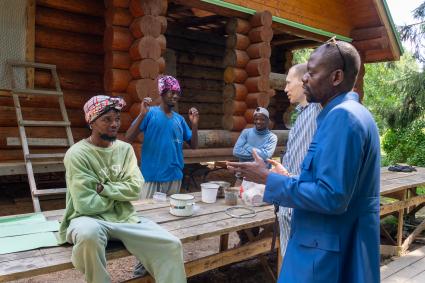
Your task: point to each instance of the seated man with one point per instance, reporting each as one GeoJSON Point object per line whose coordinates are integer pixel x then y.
{"type": "Point", "coordinates": [102, 178]}
{"type": "Point", "coordinates": [258, 137]}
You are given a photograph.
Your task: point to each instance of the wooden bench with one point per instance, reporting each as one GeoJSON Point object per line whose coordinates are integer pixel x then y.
{"type": "Point", "coordinates": [210, 221]}
{"type": "Point", "coordinates": [401, 186]}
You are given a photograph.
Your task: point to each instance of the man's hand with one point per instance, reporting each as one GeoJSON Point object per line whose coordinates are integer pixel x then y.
{"type": "Point", "coordinates": [255, 171]}
{"type": "Point", "coordinates": [278, 168]}
{"type": "Point", "coordinates": [193, 116]}
{"type": "Point", "coordinates": [144, 105]}
{"type": "Point", "coordinates": [99, 188]}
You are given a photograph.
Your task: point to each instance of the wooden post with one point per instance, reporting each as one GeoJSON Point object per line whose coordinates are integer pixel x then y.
{"type": "Point", "coordinates": [30, 41]}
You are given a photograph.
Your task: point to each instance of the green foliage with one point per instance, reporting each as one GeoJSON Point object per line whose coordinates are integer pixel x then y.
{"type": "Point", "coordinates": [301, 55]}
{"type": "Point", "coordinates": [406, 145]}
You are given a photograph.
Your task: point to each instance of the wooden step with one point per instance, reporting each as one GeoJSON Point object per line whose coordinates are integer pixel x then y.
{"type": "Point", "coordinates": [44, 155]}
{"type": "Point", "coordinates": [47, 192]}
{"type": "Point", "coordinates": [34, 123]}
{"type": "Point", "coordinates": [16, 63]}
{"type": "Point", "coordinates": [39, 142]}
{"type": "Point", "coordinates": [40, 92]}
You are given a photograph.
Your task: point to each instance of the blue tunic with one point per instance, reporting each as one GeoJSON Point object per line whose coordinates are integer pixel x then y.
{"type": "Point", "coordinates": [162, 149]}
{"type": "Point", "coordinates": [335, 228]}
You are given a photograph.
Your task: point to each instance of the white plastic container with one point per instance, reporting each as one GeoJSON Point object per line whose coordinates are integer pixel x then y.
{"type": "Point", "coordinates": [181, 204]}
{"type": "Point", "coordinates": [209, 192]}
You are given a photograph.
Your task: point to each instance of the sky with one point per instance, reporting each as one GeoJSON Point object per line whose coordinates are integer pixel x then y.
{"type": "Point", "coordinates": [401, 10]}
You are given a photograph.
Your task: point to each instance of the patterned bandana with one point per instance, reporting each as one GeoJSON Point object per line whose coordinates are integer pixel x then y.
{"type": "Point", "coordinates": [97, 105]}
{"type": "Point", "coordinates": [166, 83]}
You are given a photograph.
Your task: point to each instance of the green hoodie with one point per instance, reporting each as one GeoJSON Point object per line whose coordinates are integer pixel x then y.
{"type": "Point", "coordinates": [114, 167]}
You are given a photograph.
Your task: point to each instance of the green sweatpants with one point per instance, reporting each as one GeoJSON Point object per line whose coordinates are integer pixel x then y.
{"type": "Point", "coordinates": [158, 250]}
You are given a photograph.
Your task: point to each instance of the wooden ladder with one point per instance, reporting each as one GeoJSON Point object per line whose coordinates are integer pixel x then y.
{"type": "Point", "coordinates": [41, 142]}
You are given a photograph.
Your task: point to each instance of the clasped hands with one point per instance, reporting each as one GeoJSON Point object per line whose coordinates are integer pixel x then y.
{"type": "Point", "coordinates": [256, 171]}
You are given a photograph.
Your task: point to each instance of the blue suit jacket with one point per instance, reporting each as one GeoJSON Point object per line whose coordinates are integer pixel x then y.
{"type": "Point", "coordinates": [335, 225]}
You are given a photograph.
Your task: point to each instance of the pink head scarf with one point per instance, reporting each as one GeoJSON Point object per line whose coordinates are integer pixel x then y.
{"type": "Point", "coordinates": [166, 83]}
{"type": "Point", "coordinates": [97, 105]}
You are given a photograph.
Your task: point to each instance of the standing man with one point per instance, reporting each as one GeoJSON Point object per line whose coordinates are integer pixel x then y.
{"type": "Point", "coordinates": [102, 178]}
{"type": "Point", "coordinates": [335, 232]}
{"type": "Point", "coordinates": [164, 133]}
{"type": "Point", "coordinates": [299, 139]}
{"type": "Point", "coordinates": [258, 137]}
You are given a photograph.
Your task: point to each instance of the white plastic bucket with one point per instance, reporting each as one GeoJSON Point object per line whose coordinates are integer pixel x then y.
{"type": "Point", "coordinates": [181, 204]}
{"type": "Point", "coordinates": [209, 192]}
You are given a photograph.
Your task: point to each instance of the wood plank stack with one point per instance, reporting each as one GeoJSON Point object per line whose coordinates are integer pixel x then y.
{"type": "Point", "coordinates": [148, 48]}
{"type": "Point", "coordinates": [116, 43]}
{"type": "Point", "coordinates": [235, 74]}
{"type": "Point", "coordinates": [258, 67]}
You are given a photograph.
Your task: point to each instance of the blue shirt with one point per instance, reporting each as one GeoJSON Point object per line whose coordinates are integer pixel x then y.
{"type": "Point", "coordinates": [162, 148]}
{"type": "Point", "coordinates": [264, 141]}
{"type": "Point", "coordinates": [335, 227]}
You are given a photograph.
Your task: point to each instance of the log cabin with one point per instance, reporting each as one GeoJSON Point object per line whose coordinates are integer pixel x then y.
{"type": "Point", "coordinates": [230, 57]}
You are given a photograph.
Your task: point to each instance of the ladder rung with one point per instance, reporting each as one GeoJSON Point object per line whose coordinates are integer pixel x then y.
{"type": "Point", "coordinates": [15, 141]}
{"type": "Point", "coordinates": [44, 155]}
{"type": "Point", "coordinates": [28, 91]}
{"type": "Point", "coordinates": [30, 64]}
{"type": "Point", "coordinates": [49, 192]}
{"type": "Point", "coordinates": [44, 123]}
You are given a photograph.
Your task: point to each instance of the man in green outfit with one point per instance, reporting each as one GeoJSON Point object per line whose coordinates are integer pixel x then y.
{"type": "Point", "coordinates": [102, 178]}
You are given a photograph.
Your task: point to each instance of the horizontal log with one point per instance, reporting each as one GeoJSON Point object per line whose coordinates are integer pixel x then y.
{"type": "Point", "coordinates": [118, 16]}
{"type": "Point", "coordinates": [256, 99]}
{"type": "Point", "coordinates": [70, 80]}
{"type": "Point", "coordinates": [257, 84]}
{"type": "Point", "coordinates": [207, 121]}
{"type": "Point", "coordinates": [117, 38]}
{"type": "Point", "coordinates": [216, 138]}
{"type": "Point", "coordinates": [277, 81]}
{"type": "Point", "coordinates": [234, 75]}
{"type": "Point", "coordinates": [194, 36]}
{"type": "Point", "coordinates": [142, 88]}
{"type": "Point", "coordinates": [117, 60]}
{"type": "Point", "coordinates": [146, 68]}
{"type": "Point", "coordinates": [235, 58]}
{"type": "Point", "coordinates": [70, 41]}
{"type": "Point", "coordinates": [41, 132]}
{"type": "Point", "coordinates": [249, 115]}
{"type": "Point", "coordinates": [199, 59]}
{"type": "Point", "coordinates": [147, 25]}
{"type": "Point", "coordinates": [261, 34]}
{"type": "Point", "coordinates": [203, 108]}
{"type": "Point", "coordinates": [208, 85]}
{"type": "Point", "coordinates": [71, 61]}
{"type": "Point", "coordinates": [371, 44]}
{"type": "Point", "coordinates": [116, 80]}
{"type": "Point", "coordinates": [17, 154]}
{"type": "Point", "coordinates": [73, 100]}
{"type": "Point", "coordinates": [233, 107]}
{"type": "Point", "coordinates": [258, 67]}
{"type": "Point", "coordinates": [146, 47]}
{"type": "Point", "coordinates": [185, 45]}
{"type": "Point", "coordinates": [368, 33]}
{"type": "Point", "coordinates": [92, 8]}
{"type": "Point", "coordinates": [233, 123]}
{"type": "Point", "coordinates": [259, 50]}
{"type": "Point", "coordinates": [61, 20]}
{"type": "Point", "coordinates": [136, 9]}
{"type": "Point", "coordinates": [261, 19]}
{"type": "Point", "coordinates": [200, 96]}
{"type": "Point", "coordinates": [117, 3]}
{"type": "Point", "coordinates": [235, 92]}
{"type": "Point", "coordinates": [237, 41]}
{"type": "Point", "coordinates": [236, 25]}
{"type": "Point", "coordinates": [199, 72]}
{"type": "Point", "coordinates": [162, 43]}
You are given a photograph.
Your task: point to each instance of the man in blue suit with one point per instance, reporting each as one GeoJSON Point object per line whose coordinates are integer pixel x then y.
{"type": "Point", "coordinates": [335, 229]}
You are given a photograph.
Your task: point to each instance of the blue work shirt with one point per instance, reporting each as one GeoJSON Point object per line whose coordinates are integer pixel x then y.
{"type": "Point", "coordinates": [162, 148]}
{"type": "Point", "coordinates": [264, 141]}
{"type": "Point", "coordinates": [335, 228]}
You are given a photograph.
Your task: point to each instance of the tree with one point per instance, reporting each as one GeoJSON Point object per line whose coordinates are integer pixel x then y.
{"type": "Point", "coordinates": [415, 33]}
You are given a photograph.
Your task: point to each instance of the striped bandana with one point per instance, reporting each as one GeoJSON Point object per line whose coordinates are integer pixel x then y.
{"type": "Point", "coordinates": [166, 83]}
{"type": "Point", "coordinates": [97, 105]}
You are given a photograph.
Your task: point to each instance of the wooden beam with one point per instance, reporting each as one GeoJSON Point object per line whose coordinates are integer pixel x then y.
{"type": "Point", "coordinates": [368, 33]}
{"type": "Point", "coordinates": [396, 206]}
{"type": "Point", "coordinates": [30, 41]}
{"type": "Point", "coordinates": [371, 44]}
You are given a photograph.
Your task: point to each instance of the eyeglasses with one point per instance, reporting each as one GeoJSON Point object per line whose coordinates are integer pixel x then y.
{"type": "Point", "coordinates": [332, 42]}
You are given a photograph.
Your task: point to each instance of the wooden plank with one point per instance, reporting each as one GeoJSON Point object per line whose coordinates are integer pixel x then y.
{"type": "Point", "coordinates": [392, 207]}
{"type": "Point", "coordinates": [30, 41]}
{"type": "Point", "coordinates": [398, 264]}
{"type": "Point", "coordinates": [407, 272]}
{"type": "Point", "coordinates": [18, 168]}
{"type": "Point", "coordinates": [44, 92]}
{"type": "Point", "coordinates": [15, 141]}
